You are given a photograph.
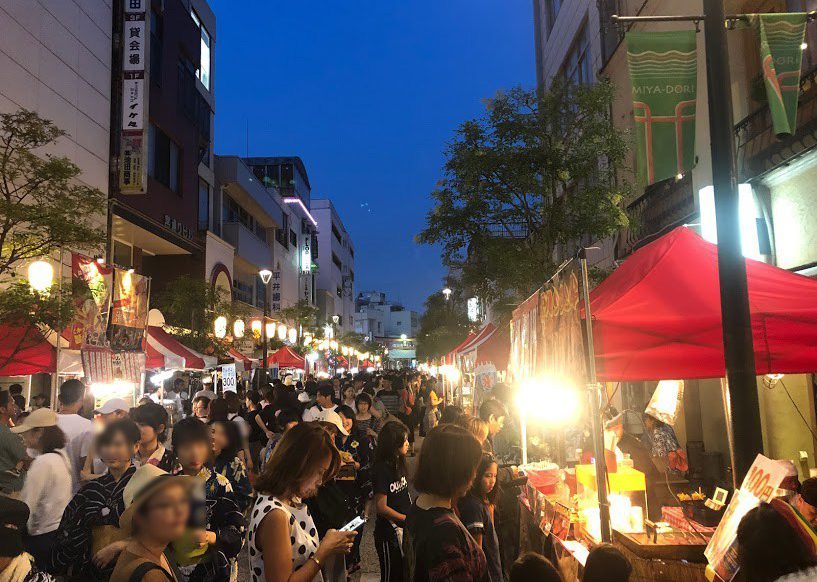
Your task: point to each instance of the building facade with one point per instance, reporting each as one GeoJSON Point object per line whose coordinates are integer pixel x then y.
{"type": "Point", "coordinates": [336, 268]}
{"type": "Point", "coordinates": [379, 318]}
{"type": "Point", "coordinates": [778, 178]}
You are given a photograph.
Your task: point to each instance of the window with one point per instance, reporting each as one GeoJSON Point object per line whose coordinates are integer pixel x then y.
{"type": "Point", "coordinates": [337, 262]}
{"type": "Point", "coordinates": [204, 205]}
{"type": "Point", "coordinates": [122, 254]}
{"type": "Point", "coordinates": [336, 233]}
{"type": "Point", "coordinates": [156, 36]}
{"type": "Point", "coordinates": [576, 68]}
{"type": "Point", "coordinates": [293, 238]}
{"type": "Point", "coordinates": [163, 158]}
{"type": "Point", "coordinates": [234, 212]}
{"type": "Point", "coordinates": [242, 291]}
{"type": "Point", "coordinates": [281, 233]}
{"type": "Point", "coordinates": [260, 289]}
{"type": "Point", "coordinates": [203, 72]}
{"type": "Point", "coordinates": [552, 8]}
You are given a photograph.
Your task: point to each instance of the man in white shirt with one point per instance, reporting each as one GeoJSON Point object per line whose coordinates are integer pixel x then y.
{"type": "Point", "coordinates": [324, 402]}
{"type": "Point", "coordinates": [79, 431]}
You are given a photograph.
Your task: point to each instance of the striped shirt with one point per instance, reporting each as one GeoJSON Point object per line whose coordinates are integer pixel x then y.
{"type": "Point", "coordinates": [391, 400]}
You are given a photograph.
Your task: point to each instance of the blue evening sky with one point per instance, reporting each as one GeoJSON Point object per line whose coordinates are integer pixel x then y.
{"type": "Point", "coordinates": [368, 93]}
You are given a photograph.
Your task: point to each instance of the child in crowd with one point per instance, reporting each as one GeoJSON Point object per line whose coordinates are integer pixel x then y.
{"type": "Point", "coordinates": [477, 514]}
{"type": "Point", "coordinates": [215, 533]}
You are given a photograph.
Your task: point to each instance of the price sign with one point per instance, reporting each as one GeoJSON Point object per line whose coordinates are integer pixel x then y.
{"type": "Point", "coordinates": [228, 382]}
{"type": "Point", "coordinates": [759, 485]}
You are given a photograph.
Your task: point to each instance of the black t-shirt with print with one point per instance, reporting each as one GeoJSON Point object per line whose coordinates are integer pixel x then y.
{"type": "Point", "coordinates": [388, 481]}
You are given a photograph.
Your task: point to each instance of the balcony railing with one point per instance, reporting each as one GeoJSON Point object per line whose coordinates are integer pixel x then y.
{"type": "Point", "coordinates": [662, 207]}
{"type": "Point", "coordinates": [759, 149]}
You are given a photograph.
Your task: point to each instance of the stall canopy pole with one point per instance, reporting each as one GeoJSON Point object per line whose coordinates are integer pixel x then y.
{"type": "Point", "coordinates": [594, 393]}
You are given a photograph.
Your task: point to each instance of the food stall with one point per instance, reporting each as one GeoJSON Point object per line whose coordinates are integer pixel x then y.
{"type": "Point", "coordinates": [286, 358]}
{"type": "Point", "coordinates": [656, 317]}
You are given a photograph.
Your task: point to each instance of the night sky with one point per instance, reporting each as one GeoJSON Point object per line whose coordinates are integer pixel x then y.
{"type": "Point", "coordinates": [367, 92]}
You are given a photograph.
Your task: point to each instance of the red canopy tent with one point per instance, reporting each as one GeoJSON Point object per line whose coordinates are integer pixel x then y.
{"type": "Point", "coordinates": [449, 358]}
{"type": "Point", "coordinates": [495, 349]}
{"type": "Point", "coordinates": [479, 338]}
{"type": "Point", "coordinates": [164, 351]}
{"type": "Point", "coordinates": [24, 350]}
{"type": "Point", "coordinates": [240, 358]}
{"type": "Point", "coordinates": [658, 315]}
{"type": "Point", "coordinates": [285, 357]}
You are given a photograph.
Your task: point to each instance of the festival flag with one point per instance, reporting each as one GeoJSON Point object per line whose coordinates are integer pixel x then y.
{"type": "Point", "coordinates": [130, 310]}
{"type": "Point", "coordinates": [92, 284]}
{"type": "Point", "coordinates": [781, 54]}
{"type": "Point", "coordinates": [664, 76]}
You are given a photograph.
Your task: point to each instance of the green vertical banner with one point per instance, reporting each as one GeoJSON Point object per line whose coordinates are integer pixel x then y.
{"type": "Point", "coordinates": [664, 77]}
{"type": "Point", "coordinates": [781, 54]}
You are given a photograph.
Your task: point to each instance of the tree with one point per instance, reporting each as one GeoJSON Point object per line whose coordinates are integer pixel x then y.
{"type": "Point", "coordinates": [443, 326]}
{"type": "Point", "coordinates": [43, 209]}
{"type": "Point", "coordinates": [190, 307]}
{"type": "Point", "coordinates": [523, 184]}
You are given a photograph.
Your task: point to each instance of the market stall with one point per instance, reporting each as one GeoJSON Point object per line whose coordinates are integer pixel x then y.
{"type": "Point", "coordinates": [286, 358]}
{"type": "Point", "coordinates": [657, 317]}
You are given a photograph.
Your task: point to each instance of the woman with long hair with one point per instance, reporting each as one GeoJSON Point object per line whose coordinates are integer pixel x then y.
{"type": "Point", "coordinates": [476, 511]}
{"type": "Point", "coordinates": [437, 545]}
{"type": "Point", "coordinates": [48, 482]}
{"type": "Point", "coordinates": [90, 538]}
{"type": "Point", "coordinates": [283, 542]}
{"type": "Point", "coordinates": [227, 461]}
{"type": "Point", "coordinates": [157, 506]}
{"type": "Point", "coordinates": [392, 498]}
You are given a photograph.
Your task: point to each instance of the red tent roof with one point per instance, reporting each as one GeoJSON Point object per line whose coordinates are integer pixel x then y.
{"type": "Point", "coordinates": [496, 349]}
{"type": "Point", "coordinates": [449, 358]}
{"type": "Point", "coordinates": [24, 351]}
{"type": "Point", "coordinates": [658, 315]}
{"type": "Point", "coordinates": [480, 337]}
{"type": "Point", "coordinates": [165, 351]}
{"type": "Point", "coordinates": [286, 358]}
{"type": "Point", "coordinates": [241, 358]}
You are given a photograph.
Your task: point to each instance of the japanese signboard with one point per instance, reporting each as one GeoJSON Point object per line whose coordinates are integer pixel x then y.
{"type": "Point", "coordinates": [92, 287]}
{"type": "Point", "coordinates": [228, 383]}
{"type": "Point", "coordinates": [135, 42]}
{"type": "Point", "coordinates": [276, 290]}
{"type": "Point", "coordinates": [103, 366]}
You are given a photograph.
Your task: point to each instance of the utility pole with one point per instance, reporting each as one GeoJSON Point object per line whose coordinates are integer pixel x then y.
{"type": "Point", "coordinates": [739, 355]}
{"type": "Point", "coordinates": [735, 315]}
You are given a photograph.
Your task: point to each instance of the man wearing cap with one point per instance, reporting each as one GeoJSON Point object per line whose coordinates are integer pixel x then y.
{"type": "Point", "coordinates": [805, 502]}
{"type": "Point", "coordinates": [15, 564]}
{"type": "Point", "coordinates": [12, 451]}
{"type": "Point", "coordinates": [111, 410]}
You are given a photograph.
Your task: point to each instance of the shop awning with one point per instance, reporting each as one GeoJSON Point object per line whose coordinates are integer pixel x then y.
{"type": "Point", "coordinates": [449, 358]}
{"type": "Point", "coordinates": [240, 358]}
{"type": "Point", "coordinates": [285, 357]}
{"type": "Point", "coordinates": [24, 350]}
{"type": "Point", "coordinates": [481, 336]}
{"type": "Point", "coordinates": [164, 351]}
{"type": "Point", "coordinates": [496, 349]}
{"type": "Point", "coordinates": [658, 315]}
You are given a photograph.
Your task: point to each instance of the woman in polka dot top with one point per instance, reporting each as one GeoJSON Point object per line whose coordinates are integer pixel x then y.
{"type": "Point", "coordinates": [283, 542]}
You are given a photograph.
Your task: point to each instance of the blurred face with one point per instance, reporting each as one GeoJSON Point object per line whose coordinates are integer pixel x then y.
{"type": "Point", "coordinates": [193, 456]}
{"type": "Point", "coordinates": [488, 479]}
{"type": "Point", "coordinates": [348, 423]}
{"type": "Point", "coordinates": [495, 424]}
{"type": "Point", "coordinates": [201, 408]}
{"type": "Point", "coordinates": [310, 485]}
{"type": "Point", "coordinates": [165, 514]}
{"type": "Point", "coordinates": [363, 406]}
{"type": "Point", "coordinates": [32, 438]}
{"type": "Point", "coordinates": [324, 401]}
{"type": "Point", "coordinates": [148, 433]}
{"type": "Point", "coordinates": [336, 383]}
{"type": "Point", "coordinates": [404, 448]}
{"type": "Point", "coordinates": [117, 454]}
{"type": "Point", "coordinates": [349, 393]}
{"type": "Point", "coordinates": [112, 416]}
{"type": "Point", "coordinates": [808, 511]}
{"type": "Point", "coordinates": [248, 403]}
{"type": "Point", "coordinates": [220, 439]}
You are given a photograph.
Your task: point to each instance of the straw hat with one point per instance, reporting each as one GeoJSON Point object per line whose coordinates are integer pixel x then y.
{"type": "Point", "coordinates": [147, 480]}
{"type": "Point", "coordinates": [40, 418]}
{"type": "Point", "coordinates": [434, 399]}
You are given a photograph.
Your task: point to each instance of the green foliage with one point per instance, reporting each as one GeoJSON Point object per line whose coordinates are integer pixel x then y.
{"type": "Point", "coordinates": [191, 306]}
{"type": "Point", "coordinates": [301, 314]}
{"type": "Point", "coordinates": [443, 326]}
{"type": "Point", "coordinates": [42, 207]}
{"type": "Point", "coordinates": [524, 185]}
{"type": "Point", "coordinates": [360, 343]}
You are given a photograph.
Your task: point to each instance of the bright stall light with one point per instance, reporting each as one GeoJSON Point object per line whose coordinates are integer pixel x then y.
{"type": "Point", "coordinates": [158, 378]}
{"type": "Point", "coordinates": [312, 357]}
{"type": "Point", "coordinates": [403, 337]}
{"type": "Point", "coordinates": [451, 373]}
{"type": "Point", "coordinates": [119, 388]}
{"type": "Point", "coordinates": [292, 335]}
{"type": "Point", "coordinates": [220, 326]}
{"type": "Point", "coordinates": [333, 345]}
{"type": "Point", "coordinates": [548, 400]}
{"type": "Point", "coordinates": [282, 332]}
{"type": "Point", "coordinates": [238, 328]}
{"type": "Point", "coordinates": [270, 329]}
{"type": "Point", "coordinates": [748, 216]}
{"type": "Point", "coordinates": [40, 276]}
{"type": "Point", "coordinates": [307, 339]}
{"type": "Point", "coordinates": [257, 325]}
{"type": "Point", "coordinates": [344, 350]}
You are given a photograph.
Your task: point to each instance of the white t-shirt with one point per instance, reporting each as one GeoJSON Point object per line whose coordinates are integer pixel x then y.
{"type": "Point", "coordinates": [79, 433]}
{"type": "Point", "coordinates": [310, 414]}
{"type": "Point", "coordinates": [47, 491]}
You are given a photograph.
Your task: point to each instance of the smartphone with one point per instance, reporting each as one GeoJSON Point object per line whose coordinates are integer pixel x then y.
{"type": "Point", "coordinates": [353, 525]}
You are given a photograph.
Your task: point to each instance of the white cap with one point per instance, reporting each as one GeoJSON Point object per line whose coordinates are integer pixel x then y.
{"type": "Point", "coordinates": [112, 405]}
{"type": "Point", "coordinates": [208, 394]}
{"type": "Point", "coordinates": [288, 380]}
{"type": "Point", "coordinates": [303, 397]}
{"type": "Point", "coordinates": [332, 417]}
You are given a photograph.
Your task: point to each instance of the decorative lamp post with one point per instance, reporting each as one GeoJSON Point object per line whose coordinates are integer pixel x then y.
{"type": "Point", "coordinates": [265, 275]}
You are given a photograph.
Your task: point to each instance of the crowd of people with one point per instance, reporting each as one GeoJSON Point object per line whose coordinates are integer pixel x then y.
{"type": "Point", "coordinates": [150, 493]}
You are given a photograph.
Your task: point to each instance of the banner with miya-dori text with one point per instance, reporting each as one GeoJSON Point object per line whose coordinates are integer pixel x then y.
{"type": "Point", "coordinates": [664, 76]}
{"type": "Point", "coordinates": [781, 55]}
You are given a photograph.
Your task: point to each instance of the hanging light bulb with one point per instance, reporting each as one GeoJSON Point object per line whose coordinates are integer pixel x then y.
{"type": "Point", "coordinates": [257, 325]}
{"type": "Point", "coordinates": [293, 335]}
{"type": "Point", "coordinates": [282, 332]}
{"type": "Point", "coordinates": [40, 276]}
{"type": "Point", "coordinates": [238, 328]}
{"type": "Point", "coordinates": [270, 330]}
{"type": "Point", "coordinates": [220, 326]}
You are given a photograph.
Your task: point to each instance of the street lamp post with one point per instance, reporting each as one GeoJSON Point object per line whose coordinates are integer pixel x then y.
{"type": "Point", "coordinates": [265, 275]}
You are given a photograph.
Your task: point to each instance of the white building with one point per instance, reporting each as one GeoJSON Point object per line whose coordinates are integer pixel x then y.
{"type": "Point", "coordinates": [336, 267]}
{"type": "Point", "coordinates": [380, 319]}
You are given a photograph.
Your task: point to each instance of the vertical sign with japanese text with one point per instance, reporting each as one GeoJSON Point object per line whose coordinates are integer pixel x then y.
{"type": "Point", "coordinates": [135, 44]}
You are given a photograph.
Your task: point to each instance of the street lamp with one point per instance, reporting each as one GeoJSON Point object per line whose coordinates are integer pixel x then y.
{"type": "Point", "coordinates": [447, 293]}
{"type": "Point", "coordinates": [265, 275]}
